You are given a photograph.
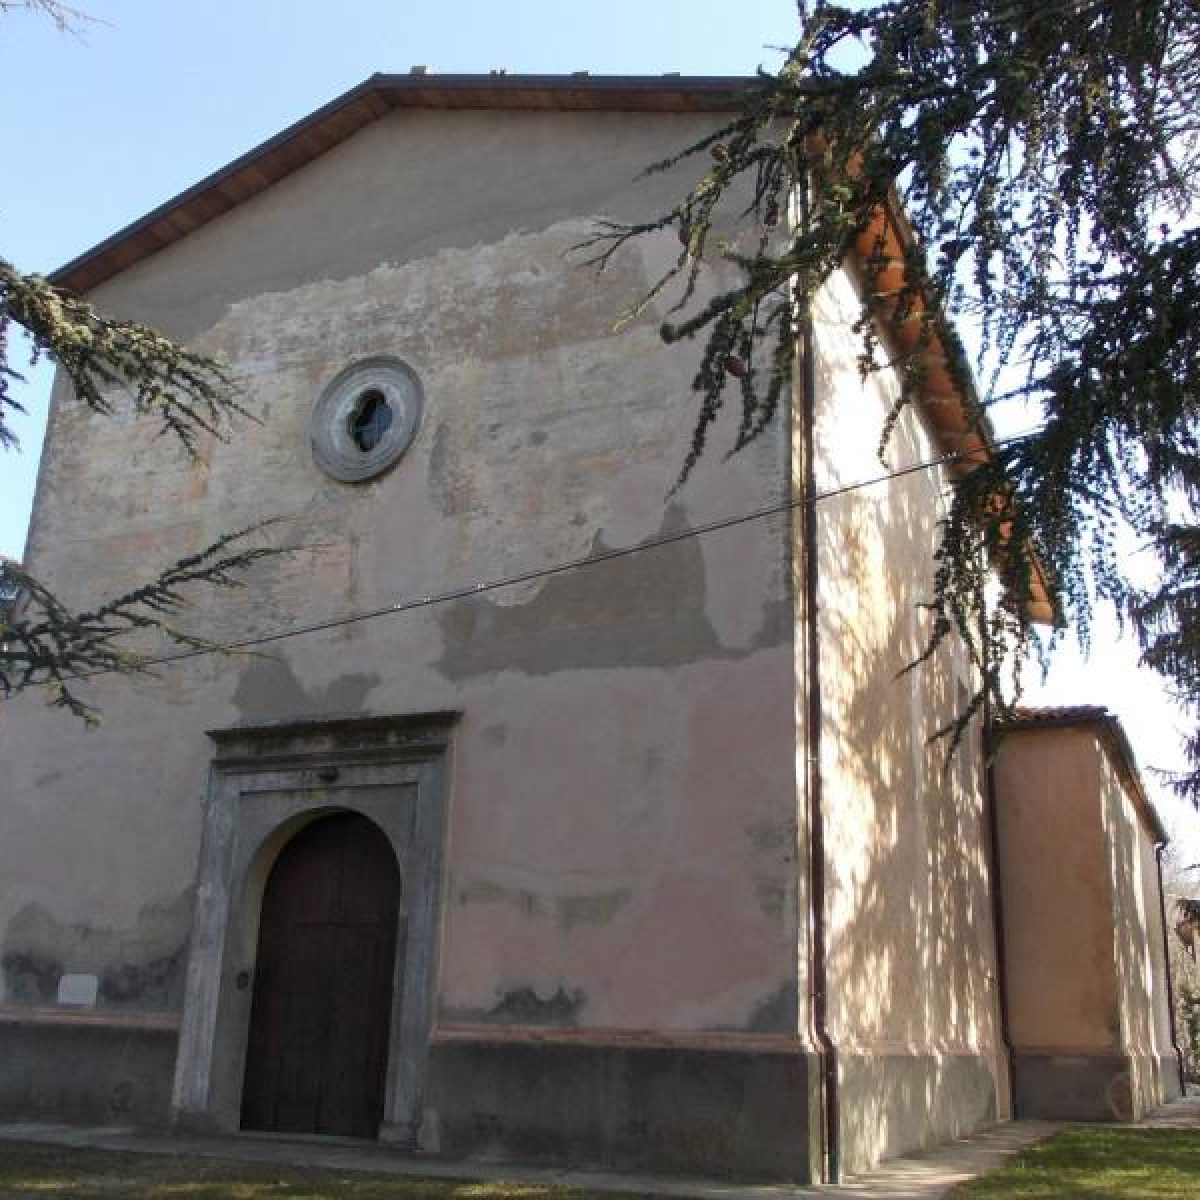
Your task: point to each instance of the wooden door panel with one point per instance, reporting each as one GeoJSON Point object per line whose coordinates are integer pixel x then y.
{"type": "Point", "coordinates": [304, 980]}
{"type": "Point", "coordinates": [317, 1053]}
{"type": "Point", "coordinates": [354, 1066]}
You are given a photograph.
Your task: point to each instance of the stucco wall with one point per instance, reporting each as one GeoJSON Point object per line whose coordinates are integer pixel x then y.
{"type": "Point", "coordinates": [1057, 894]}
{"type": "Point", "coordinates": [1083, 935]}
{"type": "Point", "coordinates": [622, 838]}
{"type": "Point", "coordinates": [911, 958]}
{"type": "Point", "coordinates": [1164, 1056]}
{"type": "Point", "coordinates": [1137, 929]}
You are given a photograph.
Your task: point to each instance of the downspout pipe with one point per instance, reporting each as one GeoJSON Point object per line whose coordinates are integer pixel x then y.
{"type": "Point", "coordinates": [818, 960]}
{"type": "Point", "coordinates": [1159, 847]}
{"type": "Point", "coordinates": [997, 890]}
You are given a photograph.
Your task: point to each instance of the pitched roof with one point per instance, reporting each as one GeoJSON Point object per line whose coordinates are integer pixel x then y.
{"type": "Point", "coordinates": [254, 172]}
{"type": "Point", "coordinates": [1111, 734]}
{"type": "Point", "coordinates": [313, 135]}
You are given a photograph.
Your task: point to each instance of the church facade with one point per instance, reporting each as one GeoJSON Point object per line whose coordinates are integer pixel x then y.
{"type": "Point", "coordinates": [551, 814]}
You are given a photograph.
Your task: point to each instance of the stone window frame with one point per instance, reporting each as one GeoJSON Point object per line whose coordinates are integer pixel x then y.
{"type": "Point", "coordinates": [265, 783]}
{"type": "Point", "coordinates": [333, 446]}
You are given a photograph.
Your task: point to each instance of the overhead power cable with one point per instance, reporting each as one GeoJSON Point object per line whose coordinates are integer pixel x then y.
{"type": "Point", "coordinates": [481, 588]}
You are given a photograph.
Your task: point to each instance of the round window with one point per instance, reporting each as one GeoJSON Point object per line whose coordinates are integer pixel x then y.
{"type": "Point", "coordinates": [365, 419]}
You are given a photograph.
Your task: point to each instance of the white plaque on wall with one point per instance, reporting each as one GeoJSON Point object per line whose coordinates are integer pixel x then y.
{"type": "Point", "coordinates": [78, 991]}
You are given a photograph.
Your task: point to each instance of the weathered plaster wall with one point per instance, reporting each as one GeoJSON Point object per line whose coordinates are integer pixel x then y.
{"type": "Point", "coordinates": [911, 957]}
{"type": "Point", "coordinates": [622, 838]}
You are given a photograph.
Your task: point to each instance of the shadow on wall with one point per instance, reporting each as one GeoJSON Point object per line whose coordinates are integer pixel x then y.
{"type": "Point", "coordinates": [911, 959]}
{"type": "Point", "coordinates": [1144, 1021]}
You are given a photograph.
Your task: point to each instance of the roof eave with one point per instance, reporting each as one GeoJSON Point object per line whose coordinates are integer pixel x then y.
{"type": "Point", "coordinates": [314, 134]}
{"type": "Point", "coordinates": [951, 404]}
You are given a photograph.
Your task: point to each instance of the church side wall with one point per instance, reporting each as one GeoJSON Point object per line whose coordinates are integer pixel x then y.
{"type": "Point", "coordinates": [620, 883]}
{"type": "Point", "coordinates": [911, 956]}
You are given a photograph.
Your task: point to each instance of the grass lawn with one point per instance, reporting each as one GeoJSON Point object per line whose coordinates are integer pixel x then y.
{"type": "Point", "coordinates": [38, 1172]}
{"type": "Point", "coordinates": [1098, 1162]}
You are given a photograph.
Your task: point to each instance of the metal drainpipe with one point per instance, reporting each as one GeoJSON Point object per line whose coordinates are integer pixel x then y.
{"type": "Point", "coordinates": [1159, 847]}
{"type": "Point", "coordinates": [989, 787]}
{"type": "Point", "coordinates": [818, 963]}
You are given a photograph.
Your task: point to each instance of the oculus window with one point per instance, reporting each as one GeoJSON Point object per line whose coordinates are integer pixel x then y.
{"type": "Point", "coordinates": [366, 419]}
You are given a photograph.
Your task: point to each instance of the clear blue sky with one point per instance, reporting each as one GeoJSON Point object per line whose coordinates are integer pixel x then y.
{"type": "Point", "coordinates": [104, 125]}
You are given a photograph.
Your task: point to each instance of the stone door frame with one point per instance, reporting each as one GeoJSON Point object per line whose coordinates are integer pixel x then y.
{"type": "Point", "coordinates": [265, 783]}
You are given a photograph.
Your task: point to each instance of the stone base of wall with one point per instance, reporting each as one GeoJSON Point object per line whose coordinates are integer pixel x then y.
{"type": "Point", "coordinates": [893, 1103]}
{"type": "Point", "coordinates": [1086, 1087]}
{"type": "Point", "coordinates": [1168, 1076]}
{"type": "Point", "coordinates": [93, 1073]}
{"type": "Point", "coordinates": [1157, 1079]}
{"type": "Point", "coordinates": [678, 1110]}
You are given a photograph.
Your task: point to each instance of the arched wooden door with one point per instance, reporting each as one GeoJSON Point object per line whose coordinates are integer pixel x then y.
{"type": "Point", "coordinates": [316, 1061]}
